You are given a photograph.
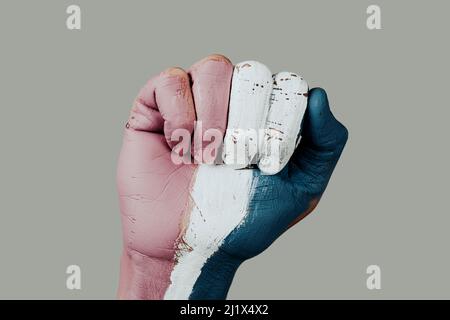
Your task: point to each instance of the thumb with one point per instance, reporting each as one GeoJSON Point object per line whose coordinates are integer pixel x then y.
{"type": "Point", "coordinates": [323, 139]}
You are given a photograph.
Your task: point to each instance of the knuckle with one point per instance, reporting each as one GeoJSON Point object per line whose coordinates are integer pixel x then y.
{"type": "Point", "coordinates": [206, 62]}
{"type": "Point", "coordinates": [218, 58]}
{"type": "Point", "coordinates": [320, 93]}
{"type": "Point", "coordinates": [175, 71]}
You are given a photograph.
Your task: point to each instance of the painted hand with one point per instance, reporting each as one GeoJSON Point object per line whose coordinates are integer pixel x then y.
{"type": "Point", "coordinates": [188, 227]}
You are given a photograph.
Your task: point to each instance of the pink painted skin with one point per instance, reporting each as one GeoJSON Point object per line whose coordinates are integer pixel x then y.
{"type": "Point", "coordinates": [153, 191]}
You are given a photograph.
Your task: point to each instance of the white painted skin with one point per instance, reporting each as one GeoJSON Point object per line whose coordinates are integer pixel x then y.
{"type": "Point", "coordinates": [217, 209]}
{"type": "Point", "coordinates": [251, 87]}
{"type": "Point", "coordinates": [287, 107]}
{"type": "Point", "coordinates": [220, 194]}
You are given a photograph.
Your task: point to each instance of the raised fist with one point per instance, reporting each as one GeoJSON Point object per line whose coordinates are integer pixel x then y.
{"type": "Point", "coordinates": [263, 150]}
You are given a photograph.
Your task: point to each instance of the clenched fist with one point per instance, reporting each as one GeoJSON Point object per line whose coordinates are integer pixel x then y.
{"type": "Point", "coordinates": [217, 162]}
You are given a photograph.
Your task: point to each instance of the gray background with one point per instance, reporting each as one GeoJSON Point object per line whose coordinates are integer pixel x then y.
{"type": "Point", "coordinates": [65, 96]}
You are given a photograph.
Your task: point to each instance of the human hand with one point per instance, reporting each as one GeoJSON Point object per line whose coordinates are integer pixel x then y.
{"type": "Point", "coordinates": [187, 227]}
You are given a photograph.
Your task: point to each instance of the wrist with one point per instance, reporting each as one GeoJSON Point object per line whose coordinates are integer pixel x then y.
{"type": "Point", "coordinates": [215, 277]}
{"type": "Point", "coordinates": [143, 277]}
{"type": "Point", "coordinates": [200, 275]}
{"type": "Point", "coordinates": [196, 278]}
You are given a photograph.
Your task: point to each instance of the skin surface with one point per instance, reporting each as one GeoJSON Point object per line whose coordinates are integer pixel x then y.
{"type": "Point", "coordinates": [249, 105]}
{"type": "Point", "coordinates": [159, 199]}
{"type": "Point", "coordinates": [153, 191]}
{"type": "Point", "coordinates": [288, 104]}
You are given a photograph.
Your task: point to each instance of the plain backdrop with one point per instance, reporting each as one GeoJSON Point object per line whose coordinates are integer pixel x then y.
{"type": "Point", "coordinates": [65, 96]}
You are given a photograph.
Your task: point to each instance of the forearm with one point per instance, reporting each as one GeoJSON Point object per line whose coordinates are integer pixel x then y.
{"type": "Point", "coordinates": [143, 277]}
{"type": "Point", "coordinates": [216, 277]}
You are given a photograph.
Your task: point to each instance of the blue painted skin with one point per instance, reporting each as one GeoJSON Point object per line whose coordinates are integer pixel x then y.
{"type": "Point", "coordinates": [280, 200]}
